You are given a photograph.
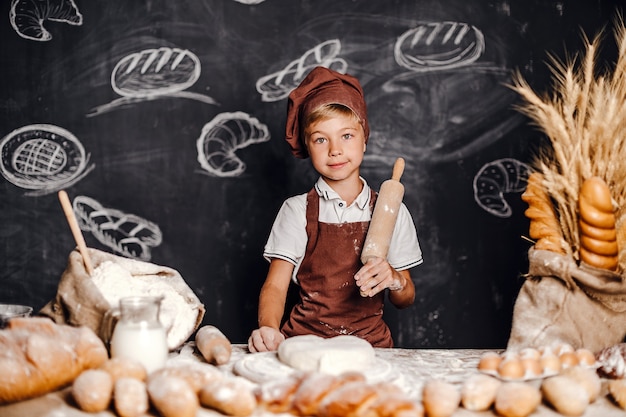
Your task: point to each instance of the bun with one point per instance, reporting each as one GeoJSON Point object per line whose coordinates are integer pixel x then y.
{"type": "Point", "coordinates": [130, 397]}
{"type": "Point", "coordinates": [230, 396]}
{"type": "Point", "coordinates": [38, 356]}
{"type": "Point", "coordinates": [350, 399]}
{"type": "Point", "coordinates": [544, 225]}
{"type": "Point", "coordinates": [478, 392]}
{"type": "Point", "coordinates": [196, 375]}
{"type": "Point", "coordinates": [92, 390]}
{"type": "Point", "coordinates": [213, 345]}
{"type": "Point", "coordinates": [566, 395]}
{"type": "Point", "coordinates": [598, 239]}
{"type": "Point", "coordinates": [516, 399]}
{"type": "Point", "coordinates": [587, 378]}
{"type": "Point", "coordinates": [172, 396]}
{"type": "Point", "coordinates": [440, 398]}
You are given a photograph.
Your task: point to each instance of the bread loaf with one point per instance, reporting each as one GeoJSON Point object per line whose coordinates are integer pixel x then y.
{"type": "Point", "coordinates": [544, 225]}
{"type": "Point", "coordinates": [567, 396]}
{"type": "Point", "coordinates": [598, 240]}
{"type": "Point", "coordinates": [213, 345]}
{"type": "Point", "coordinates": [478, 392]}
{"type": "Point", "coordinates": [350, 399]}
{"type": "Point", "coordinates": [38, 356]}
{"type": "Point", "coordinates": [196, 375]}
{"type": "Point", "coordinates": [588, 378]}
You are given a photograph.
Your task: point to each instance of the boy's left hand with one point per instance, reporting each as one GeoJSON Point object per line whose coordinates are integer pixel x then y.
{"type": "Point", "coordinates": [376, 275]}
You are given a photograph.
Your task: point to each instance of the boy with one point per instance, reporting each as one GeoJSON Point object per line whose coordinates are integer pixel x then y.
{"type": "Point", "coordinates": [317, 237]}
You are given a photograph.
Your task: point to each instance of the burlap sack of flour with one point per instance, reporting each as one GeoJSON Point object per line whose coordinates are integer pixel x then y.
{"type": "Point", "coordinates": [562, 302]}
{"type": "Point", "coordinates": [84, 300]}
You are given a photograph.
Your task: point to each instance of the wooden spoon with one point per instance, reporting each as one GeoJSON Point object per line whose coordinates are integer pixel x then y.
{"type": "Point", "coordinates": [78, 235]}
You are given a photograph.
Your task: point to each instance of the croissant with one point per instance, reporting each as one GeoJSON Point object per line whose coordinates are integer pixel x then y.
{"type": "Point", "coordinates": [598, 237]}
{"type": "Point", "coordinates": [544, 226]}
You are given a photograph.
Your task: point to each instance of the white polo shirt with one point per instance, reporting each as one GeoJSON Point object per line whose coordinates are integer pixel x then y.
{"type": "Point", "coordinates": [288, 236]}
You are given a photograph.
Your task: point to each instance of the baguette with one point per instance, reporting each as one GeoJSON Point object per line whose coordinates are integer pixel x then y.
{"type": "Point", "coordinates": [38, 356]}
{"type": "Point", "coordinates": [213, 345]}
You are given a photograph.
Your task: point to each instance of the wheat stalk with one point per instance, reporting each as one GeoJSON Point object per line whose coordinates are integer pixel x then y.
{"type": "Point", "coordinates": [585, 121]}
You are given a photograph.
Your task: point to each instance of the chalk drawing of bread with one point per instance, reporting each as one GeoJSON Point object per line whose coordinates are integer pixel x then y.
{"type": "Point", "coordinates": [27, 16]}
{"type": "Point", "coordinates": [42, 157]}
{"type": "Point", "coordinates": [439, 45]}
{"type": "Point", "coordinates": [497, 178]}
{"type": "Point", "coordinates": [126, 234]}
{"type": "Point", "coordinates": [154, 72]}
{"type": "Point", "coordinates": [222, 137]}
{"type": "Point", "coordinates": [278, 85]}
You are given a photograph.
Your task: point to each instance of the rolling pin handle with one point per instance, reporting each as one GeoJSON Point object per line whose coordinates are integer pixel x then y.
{"type": "Point", "coordinates": [398, 169]}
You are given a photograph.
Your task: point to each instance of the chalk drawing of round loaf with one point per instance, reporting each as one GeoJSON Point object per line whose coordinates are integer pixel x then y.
{"type": "Point", "coordinates": [126, 234]}
{"type": "Point", "coordinates": [497, 178]}
{"type": "Point", "coordinates": [439, 46]}
{"type": "Point", "coordinates": [42, 157]}
{"type": "Point", "coordinates": [27, 16]}
{"type": "Point", "coordinates": [222, 137]}
{"type": "Point", "coordinates": [278, 85]}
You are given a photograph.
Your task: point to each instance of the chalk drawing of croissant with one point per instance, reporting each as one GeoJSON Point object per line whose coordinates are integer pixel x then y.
{"type": "Point", "coordinates": [278, 85]}
{"type": "Point", "coordinates": [497, 178]}
{"type": "Point", "coordinates": [27, 16]}
{"type": "Point", "coordinates": [222, 137]}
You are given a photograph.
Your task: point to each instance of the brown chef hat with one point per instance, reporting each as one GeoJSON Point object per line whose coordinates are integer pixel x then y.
{"type": "Point", "coordinates": [322, 86]}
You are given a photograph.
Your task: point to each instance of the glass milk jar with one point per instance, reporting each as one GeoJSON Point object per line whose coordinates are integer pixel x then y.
{"type": "Point", "coordinates": [138, 333]}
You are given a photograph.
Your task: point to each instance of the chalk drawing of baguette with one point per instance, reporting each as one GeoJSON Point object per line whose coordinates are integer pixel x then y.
{"type": "Point", "coordinates": [278, 85]}
{"type": "Point", "coordinates": [127, 234]}
{"type": "Point", "coordinates": [43, 158]}
{"type": "Point", "coordinates": [28, 16]}
{"type": "Point", "coordinates": [154, 73]}
{"type": "Point", "coordinates": [439, 46]}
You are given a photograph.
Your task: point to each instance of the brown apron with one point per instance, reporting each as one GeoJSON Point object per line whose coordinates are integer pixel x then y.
{"type": "Point", "coordinates": [330, 304]}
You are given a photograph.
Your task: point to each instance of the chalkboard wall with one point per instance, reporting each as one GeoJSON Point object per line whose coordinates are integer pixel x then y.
{"type": "Point", "coordinates": [166, 118]}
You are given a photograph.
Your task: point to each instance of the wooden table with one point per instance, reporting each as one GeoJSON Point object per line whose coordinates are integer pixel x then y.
{"type": "Point", "coordinates": [413, 367]}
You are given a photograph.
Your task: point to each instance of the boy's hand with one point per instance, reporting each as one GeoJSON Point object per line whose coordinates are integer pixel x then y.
{"type": "Point", "coordinates": [376, 275]}
{"type": "Point", "coordinates": [265, 339]}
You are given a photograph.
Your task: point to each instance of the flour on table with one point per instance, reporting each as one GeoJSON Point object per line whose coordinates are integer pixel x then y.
{"type": "Point", "coordinates": [334, 355]}
{"type": "Point", "coordinates": [115, 282]}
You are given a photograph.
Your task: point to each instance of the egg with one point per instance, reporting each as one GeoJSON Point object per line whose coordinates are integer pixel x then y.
{"type": "Point", "coordinates": [489, 361]}
{"type": "Point", "coordinates": [568, 359]}
{"type": "Point", "coordinates": [550, 362]}
{"type": "Point", "coordinates": [512, 368]}
{"type": "Point", "coordinates": [585, 357]}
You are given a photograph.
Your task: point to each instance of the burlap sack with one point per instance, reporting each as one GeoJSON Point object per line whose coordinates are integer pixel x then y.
{"type": "Point", "coordinates": [79, 302]}
{"type": "Point", "coordinates": [561, 302]}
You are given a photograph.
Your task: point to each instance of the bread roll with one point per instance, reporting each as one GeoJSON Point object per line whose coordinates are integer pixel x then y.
{"type": "Point", "coordinates": [130, 397]}
{"type": "Point", "coordinates": [38, 356]}
{"type": "Point", "coordinates": [586, 377]}
{"type": "Point", "coordinates": [544, 225]}
{"type": "Point", "coordinates": [213, 345]}
{"type": "Point", "coordinates": [394, 405]}
{"type": "Point", "coordinates": [276, 396]}
{"type": "Point", "coordinates": [231, 396]}
{"type": "Point", "coordinates": [172, 396]}
{"type": "Point", "coordinates": [567, 396]}
{"type": "Point", "coordinates": [120, 367]}
{"type": "Point", "coordinates": [598, 241]}
{"type": "Point", "coordinates": [350, 399]}
{"type": "Point", "coordinates": [440, 398]}
{"type": "Point", "coordinates": [617, 391]}
{"type": "Point", "coordinates": [516, 399]}
{"type": "Point", "coordinates": [478, 392]}
{"type": "Point", "coordinates": [196, 375]}
{"type": "Point", "coordinates": [92, 390]}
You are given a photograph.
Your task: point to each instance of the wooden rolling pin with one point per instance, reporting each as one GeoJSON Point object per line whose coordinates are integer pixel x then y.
{"type": "Point", "coordinates": [385, 214]}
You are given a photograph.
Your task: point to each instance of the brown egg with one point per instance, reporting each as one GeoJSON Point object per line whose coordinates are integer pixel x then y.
{"type": "Point", "coordinates": [532, 366]}
{"type": "Point", "coordinates": [568, 359]}
{"type": "Point", "coordinates": [529, 353]}
{"type": "Point", "coordinates": [585, 357]}
{"type": "Point", "coordinates": [550, 362]}
{"type": "Point", "coordinates": [489, 361]}
{"type": "Point", "coordinates": [511, 368]}
{"type": "Point", "coordinates": [561, 348]}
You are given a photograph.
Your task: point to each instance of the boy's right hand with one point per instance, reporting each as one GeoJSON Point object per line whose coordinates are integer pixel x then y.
{"type": "Point", "coordinates": [265, 339]}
